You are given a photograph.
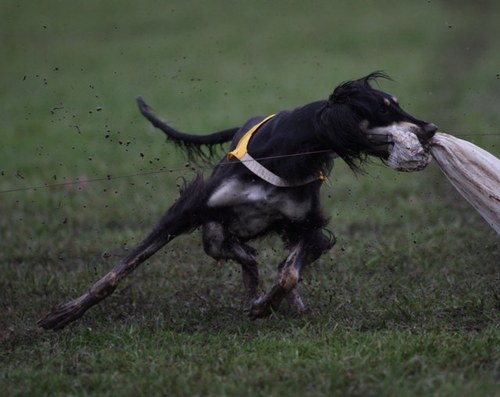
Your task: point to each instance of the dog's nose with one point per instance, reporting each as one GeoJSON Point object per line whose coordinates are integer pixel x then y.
{"type": "Point", "coordinates": [430, 128]}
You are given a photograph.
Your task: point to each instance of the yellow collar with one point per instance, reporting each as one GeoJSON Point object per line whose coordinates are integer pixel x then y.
{"type": "Point", "coordinates": [241, 147]}
{"type": "Point", "coordinates": [241, 153]}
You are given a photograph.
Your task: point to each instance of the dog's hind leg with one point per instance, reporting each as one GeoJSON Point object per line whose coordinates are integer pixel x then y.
{"type": "Point", "coordinates": [306, 251]}
{"type": "Point", "coordinates": [185, 215]}
{"type": "Point", "coordinates": [219, 245]}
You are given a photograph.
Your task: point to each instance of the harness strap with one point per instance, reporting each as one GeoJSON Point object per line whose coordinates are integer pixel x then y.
{"type": "Point", "coordinates": [241, 153]}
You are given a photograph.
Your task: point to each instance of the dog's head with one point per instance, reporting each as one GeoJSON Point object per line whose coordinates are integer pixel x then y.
{"type": "Point", "coordinates": [370, 117]}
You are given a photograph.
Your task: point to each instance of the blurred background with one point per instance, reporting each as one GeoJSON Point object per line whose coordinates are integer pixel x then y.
{"type": "Point", "coordinates": [412, 257]}
{"type": "Point", "coordinates": [70, 73]}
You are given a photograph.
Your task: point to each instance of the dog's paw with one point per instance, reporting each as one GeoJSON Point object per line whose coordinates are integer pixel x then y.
{"type": "Point", "coordinates": [258, 308]}
{"type": "Point", "coordinates": [295, 302]}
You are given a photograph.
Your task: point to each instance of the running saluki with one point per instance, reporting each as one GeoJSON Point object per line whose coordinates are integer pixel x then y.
{"type": "Point", "coordinates": [269, 182]}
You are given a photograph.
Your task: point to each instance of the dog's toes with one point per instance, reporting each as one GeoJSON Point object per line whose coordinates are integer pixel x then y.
{"type": "Point", "coordinates": [296, 302]}
{"type": "Point", "coordinates": [257, 308]}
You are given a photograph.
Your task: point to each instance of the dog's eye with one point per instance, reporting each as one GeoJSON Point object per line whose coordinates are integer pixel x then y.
{"type": "Point", "coordinates": [382, 110]}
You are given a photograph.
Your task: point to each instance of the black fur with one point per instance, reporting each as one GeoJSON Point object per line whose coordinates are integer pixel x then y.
{"type": "Point", "coordinates": [332, 124]}
{"type": "Point", "coordinates": [191, 144]}
{"type": "Point", "coordinates": [233, 206]}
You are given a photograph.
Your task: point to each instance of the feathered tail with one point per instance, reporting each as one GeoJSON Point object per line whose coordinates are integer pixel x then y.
{"type": "Point", "coordinates": [195, 146]}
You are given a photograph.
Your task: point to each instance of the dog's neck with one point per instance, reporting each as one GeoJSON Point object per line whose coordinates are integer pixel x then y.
{"type": "Point", "coordinates": [254, 165]}
{"type": "Point", "coordinates": [339, 130]}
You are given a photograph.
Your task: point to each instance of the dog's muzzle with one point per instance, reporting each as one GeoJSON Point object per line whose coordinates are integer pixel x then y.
{"type": "Point", "coordinates": [406, 145]}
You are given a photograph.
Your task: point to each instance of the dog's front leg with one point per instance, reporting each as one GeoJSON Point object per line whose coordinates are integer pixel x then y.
{"type": "Point", "coordinates": [295, 301]}
{"type": "Point", "coordinates": [287, 280]}
{"type": "Point", "coordinates": [303, 253]}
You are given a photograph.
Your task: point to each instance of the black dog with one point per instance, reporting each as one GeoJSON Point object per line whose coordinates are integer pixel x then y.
{"type": "Point", "coordinates": [269, 183]}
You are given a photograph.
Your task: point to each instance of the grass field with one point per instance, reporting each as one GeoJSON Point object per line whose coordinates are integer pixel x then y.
{"type": "Point", "coordinates": [406, 304]}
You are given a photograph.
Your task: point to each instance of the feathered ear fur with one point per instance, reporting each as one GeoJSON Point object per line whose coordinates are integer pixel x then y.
{"type": "Point", "coordinates": [344, 91]}
{"type": "Point", "coordinates": [339, 126]}
{"type": "Point", "coordinates": [341, 93]}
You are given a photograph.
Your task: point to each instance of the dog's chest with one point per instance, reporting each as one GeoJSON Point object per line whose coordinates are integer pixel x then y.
{"type": "Point", "coordinates": [256, 206]}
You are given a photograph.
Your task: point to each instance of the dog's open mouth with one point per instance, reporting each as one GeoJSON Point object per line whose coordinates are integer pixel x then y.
{"type": "Point", "coordinates": [406, 153]}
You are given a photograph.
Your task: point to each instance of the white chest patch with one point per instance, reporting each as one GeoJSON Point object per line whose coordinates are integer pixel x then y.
{"type": "Point", "coordinates": [233, 192]}
{"type": "Point", "coordinates": [257, 205]}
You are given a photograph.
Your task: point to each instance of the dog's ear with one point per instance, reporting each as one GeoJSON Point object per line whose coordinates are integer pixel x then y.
{"type": "Point", "coordinates": [341, 93]}
{"type": "Point", "coordinates": [345, 90]}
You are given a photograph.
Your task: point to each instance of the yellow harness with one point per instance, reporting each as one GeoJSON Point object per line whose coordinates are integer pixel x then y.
{"type": "Point", "coordinates": [241, 153]}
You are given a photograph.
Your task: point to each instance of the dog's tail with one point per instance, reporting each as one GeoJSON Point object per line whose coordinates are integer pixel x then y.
{"type": "Point", "coordinates": [202, 146]}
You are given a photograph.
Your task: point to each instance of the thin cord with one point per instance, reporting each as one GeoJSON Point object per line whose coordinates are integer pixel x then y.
{"type": "Point", "coordinates": [170, 170]}
{"type": "Point", "coordinates": [109, 177]}
{"type": "Point", "coordinates": [476, 134]}
{"type": "Point", "coordinates": [76, 182]}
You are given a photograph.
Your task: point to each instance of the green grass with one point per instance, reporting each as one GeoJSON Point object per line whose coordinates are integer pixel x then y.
{"type": "Point", "coordinates": [406, 304]}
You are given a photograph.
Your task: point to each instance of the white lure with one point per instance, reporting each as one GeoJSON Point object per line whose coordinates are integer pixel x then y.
{"type": "Point", "coordinates": [473, 171]}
